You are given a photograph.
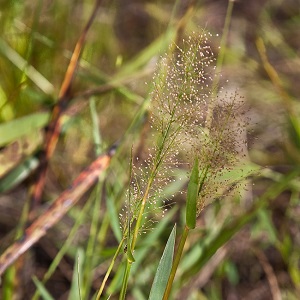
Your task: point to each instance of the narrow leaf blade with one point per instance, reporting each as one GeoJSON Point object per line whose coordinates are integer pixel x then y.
{"type": "Point", "coordinates": [17, 128]}
{"type": "Point", "coordinates": [163, 269]}
{"type": "Point", "coordinates": [192, 196]}
{"type": "Point", "coordinates": [42, 289]}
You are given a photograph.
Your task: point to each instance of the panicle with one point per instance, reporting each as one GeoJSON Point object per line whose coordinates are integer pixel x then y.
{"type": "Point", "coordinates": [183, 96]}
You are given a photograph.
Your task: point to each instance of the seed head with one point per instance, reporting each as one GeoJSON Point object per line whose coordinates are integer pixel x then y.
{"type": "Point", "coordinates": [190, 117]}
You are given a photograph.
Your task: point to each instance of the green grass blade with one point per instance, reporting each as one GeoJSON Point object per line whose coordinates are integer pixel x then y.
{"type": "Point", "coordinates": [77, 275]}
{"type": "Point", "coordinates": [15, 129]}
{"type": "Point", "coordinates": [7, 283]}
{"type": "Point", "coordinates": [192, 196]}
{"type": "Point", "coordinates": [29, 70]}
{"type": "Point", "coordinates": [18, 174]}
{"type": "Point", "coordinates": [160, 44]}
{"type": "Point", "coordinates": [150, 240]}
{"type": "Point", "coordinates": [164, 269]}
{"type": "Point", "coordinates": [42, 290]}
{"type": "Point", "coordinates": [96, 127]}
{"type": "Point", "coordinates": [113, 217]}
{"type": "Point", "coordinates": [294, 130]}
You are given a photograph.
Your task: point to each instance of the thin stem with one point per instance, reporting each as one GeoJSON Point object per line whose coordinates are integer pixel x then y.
{"type": "Point", "coordinates": [176, 262]}
{"type": "Point", "coordinates": [157, 162]}
{"type": "Point", "coordinates": [141, 212]}
{"type": "Point", "coordinates": [109, 269]}
{"type": "Point", "coordinates": [125, 280]}
{"type": "Point", "coordinates": [135, 235]}
{"type": "Point", "coordinates": [272, 73]}
{"type": "Point", "coordinates": [79, 220]}
{"type": "Point", "coordinates": [87, 274]}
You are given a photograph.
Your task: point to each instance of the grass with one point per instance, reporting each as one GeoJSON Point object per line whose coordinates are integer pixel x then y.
{"type": "Point", "coordinates": [243, 244]}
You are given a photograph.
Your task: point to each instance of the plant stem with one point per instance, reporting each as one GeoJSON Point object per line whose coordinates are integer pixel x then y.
{"type": "Point", "coordinates": [88, 268]}
{"type": "Point", "coordinates": [140, 216]}
{"type": "Point", "coordinates": [157, 162]}
{"type": "Point", "coordinates": [134, 239]}
{"type": "Point", "coordinates": [109, 269]}
{"type": "Point", "coordinates": [163, 148]}
{"type": "Point", "coordinates": [176, 262]}
{"type": "Point", "coordinates": [125, 280]}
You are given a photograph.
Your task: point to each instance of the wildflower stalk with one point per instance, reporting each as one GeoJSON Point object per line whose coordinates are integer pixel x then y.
{"type": "Point", "coordinates": [137, 229]}
{"type": "Point", "coordinates": [164, 147]}
{"type": "Point", "coordinates": [217, 122]}
{"type": "Point", "coordinates": [189, 118]}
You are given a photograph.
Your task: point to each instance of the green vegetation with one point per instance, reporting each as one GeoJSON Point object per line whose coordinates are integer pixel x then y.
{"type": "Point", "coordinates": [199, 196]}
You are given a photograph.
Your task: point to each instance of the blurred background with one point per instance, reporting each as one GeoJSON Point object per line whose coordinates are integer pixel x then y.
{"type": "Point", "coordinates": [262, 259]}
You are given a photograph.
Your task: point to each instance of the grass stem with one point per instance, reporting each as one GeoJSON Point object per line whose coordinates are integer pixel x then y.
{"type": "Point", "coordinates": [109, 269]}
{"type": "Point", "coordinates": [176, 262]}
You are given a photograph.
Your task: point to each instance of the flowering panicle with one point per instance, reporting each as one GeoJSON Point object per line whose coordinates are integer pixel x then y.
{"type": "Point", "coordinates": [183, 97]}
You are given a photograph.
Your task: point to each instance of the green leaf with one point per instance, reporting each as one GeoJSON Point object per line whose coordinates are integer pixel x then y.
{"type": "Point", "coordinates": [17, 128]}
{"type": "Point", "coordinates": [18, 174]}
{"type": "Point", "coordinates": [42, 290]}
{"type": "Point", "coordinates": [294, 268]}
{"type": "Point", "coordinates": [32, 73]}
{"type": "Point", "coordinates": [113, 216]}
{"type": "Point", "coordinates": [151, 240]}
{"type": "Point", "coordinates": [265, 224]}
{"type": "Point", "coordinates": [163, 269]}
{"type": "Point", "coordinates": [294, 130]}
{"type": "Point", "coordinates": [160, 44]}
{"type": "Point", "coordinates": [192, 196]}
{"type": "Point", "coordinates": [214, 240]}
{"type": "Point", "coordinates": [77, 275]}
{"type": "Point", "coordinates": [231, 272]}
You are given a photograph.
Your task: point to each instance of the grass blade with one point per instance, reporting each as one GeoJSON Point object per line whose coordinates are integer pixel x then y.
{"type": "Point", "coordinates": [32, 73]}
{"type": "Point", "coordinates": [15, 129]}
{"type": "Point", "coordinates": [42, 290]}
{"type": "Point", "coordinates": [164, 269]}
{"type": "Point", "coordinates": [77, 275]}
{"type": "Point", "coordinates": [192, 196]}
{"type": "Point", "coordinates": [18, 174]}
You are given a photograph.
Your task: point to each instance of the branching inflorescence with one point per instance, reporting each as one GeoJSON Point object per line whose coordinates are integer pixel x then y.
{"type": "Point", "coordinates": [189, 118]}
{"type": "Point", "coordinates": [194, 123]}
